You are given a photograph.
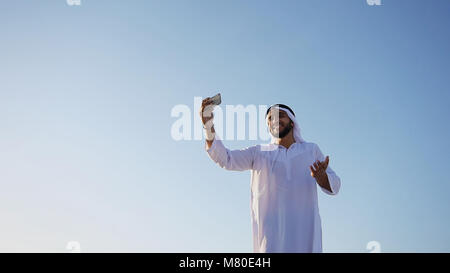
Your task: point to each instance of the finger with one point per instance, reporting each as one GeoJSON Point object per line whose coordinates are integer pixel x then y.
{"type": "Point", "coordinates": [316, 165]}
{"type": "Point", "coordinates": [202, 110]}
{"type": "Point", "coordinates": [320, 167]}
{"type": "Point", "coordinates": [312, 169]}
{"type": "Point", "coordinates": [207, 116]}
{"type": "Point", "coordinates": [206, 101]}
{"type": "Point", "coordinates": [208, 110]}
{"type": "Point", "coordinates": [207, 119]}
{"type": "Point", "coordinates": [202, 106]}
{"type": "Point", "coordinates": [323, 164]}
{"type": "Point", "coordinates": [319, 163]}
{"type": "Point", "coordinates": [327, 160]}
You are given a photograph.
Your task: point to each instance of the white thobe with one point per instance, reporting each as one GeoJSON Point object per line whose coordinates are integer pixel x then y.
{"type": "Point", "coordinates": [284, 207]}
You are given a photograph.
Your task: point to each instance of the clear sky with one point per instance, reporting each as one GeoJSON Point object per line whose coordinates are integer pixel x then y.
{"type": "Point", "coordinates": [86, 92]}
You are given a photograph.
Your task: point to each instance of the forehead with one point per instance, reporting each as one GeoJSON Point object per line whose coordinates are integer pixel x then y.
{"type": "Point", "coordinates": [277, 111]}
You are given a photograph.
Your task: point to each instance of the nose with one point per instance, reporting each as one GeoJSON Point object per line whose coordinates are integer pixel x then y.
{"type": "Point", "coordinates": [275, 123]}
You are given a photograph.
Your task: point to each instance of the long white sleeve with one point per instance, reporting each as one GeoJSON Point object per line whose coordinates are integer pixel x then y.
{"type": "Point", "coordinates": [233, 160]}
{"type": "Point", "coordinates": [335, 181]}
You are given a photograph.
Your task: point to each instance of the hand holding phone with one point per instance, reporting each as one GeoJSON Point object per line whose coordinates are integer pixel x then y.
{"type": "Point", "coordinates": [216, 100]}
{"type": "Point", "coordinates": [208, 105]}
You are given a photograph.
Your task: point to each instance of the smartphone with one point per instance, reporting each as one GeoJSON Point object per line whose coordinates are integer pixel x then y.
{"type": "Point", "coordinates": [216, 100]}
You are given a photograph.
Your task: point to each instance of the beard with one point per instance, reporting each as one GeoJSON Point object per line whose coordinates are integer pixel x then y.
{"type": "Point", "coordinates": [285, 131]}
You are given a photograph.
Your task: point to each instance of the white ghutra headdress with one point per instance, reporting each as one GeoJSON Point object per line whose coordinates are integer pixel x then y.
{"type": "Point", "coordinates": [297, 132]}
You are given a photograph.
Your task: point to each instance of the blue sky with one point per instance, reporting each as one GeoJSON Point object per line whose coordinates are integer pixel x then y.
{"type": "Point", "coordinates": [86, 94]}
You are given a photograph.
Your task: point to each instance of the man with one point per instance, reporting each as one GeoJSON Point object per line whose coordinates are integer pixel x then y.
{"type": "Point", "coordinates": [284, 174]}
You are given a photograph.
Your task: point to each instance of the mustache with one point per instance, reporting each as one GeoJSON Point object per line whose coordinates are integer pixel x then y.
{"type": "Point", "coordinates": [281, 131]}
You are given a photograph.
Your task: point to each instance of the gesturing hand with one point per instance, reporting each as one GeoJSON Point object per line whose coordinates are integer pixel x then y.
{"type": "Point", "coordinates": [318, 169]}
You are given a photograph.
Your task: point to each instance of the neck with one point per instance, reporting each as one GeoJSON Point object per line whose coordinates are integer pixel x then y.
{"type": "Point", "coordinates": [286, 141]}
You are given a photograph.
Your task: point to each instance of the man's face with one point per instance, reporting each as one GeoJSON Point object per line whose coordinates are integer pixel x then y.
{"type": "Point", "coordinates": [279, 123]}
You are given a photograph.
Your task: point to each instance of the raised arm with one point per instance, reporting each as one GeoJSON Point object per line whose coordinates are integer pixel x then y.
{"type": "Point", "coordinates": [232, 160]}
{"type": "Point", "coordinates": [235, 160]}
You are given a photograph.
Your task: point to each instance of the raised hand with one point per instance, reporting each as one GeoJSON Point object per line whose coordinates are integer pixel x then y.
{"type": "Point", "coordinates": [206, 113]}
{"type": "Point", "coordinates": [318, 169]}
